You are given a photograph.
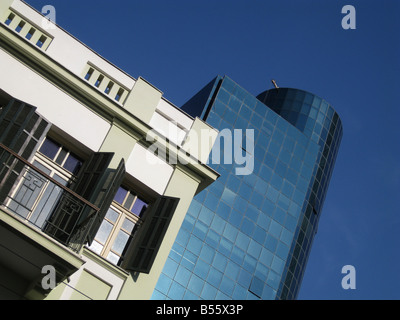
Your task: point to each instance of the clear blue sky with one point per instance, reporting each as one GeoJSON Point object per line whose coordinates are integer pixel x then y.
{"type": "Point", "coordinates": [180, 45]}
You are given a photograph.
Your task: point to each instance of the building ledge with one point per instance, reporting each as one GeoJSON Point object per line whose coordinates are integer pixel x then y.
{"type": "Point", "coordinates": [25, 250]}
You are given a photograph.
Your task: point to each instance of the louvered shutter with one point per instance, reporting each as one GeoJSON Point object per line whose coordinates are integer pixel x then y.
{"type": "Point", "coordinates": [96, 183]}
{"type": "Point", "coordinates": [144, 246]}
{"type": "Point", "coordinates": [104, 195]}
{"type": "Point", "coordinates": [21, 130]}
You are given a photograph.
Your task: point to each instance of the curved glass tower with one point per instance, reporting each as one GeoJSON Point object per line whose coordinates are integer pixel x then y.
{"type": "Point", "coordinates": [248, 235]}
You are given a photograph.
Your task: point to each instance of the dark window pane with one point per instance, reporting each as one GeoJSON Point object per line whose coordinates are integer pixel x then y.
{"type": "Point", "coordinates": [73, 164]}
{"type": "Point", "coordinates": [20, 26]}
{"type": "Point", "coordinates": [10, 18]}
{"type": "Point", "coordinates": [109, 87]}
{"type": "Point", "coordinates": [99, 80]}
{"type": "Point", "coordinates": [138, 207]}
{"type": "Point", "coordinates": [49, 148]}
{"type": "Point", "coordinates": [30, 34]}
{"type": "Point", "coordinates": [119, 94]}
{"type": "Point", "coordinates": [89, 74]}
{"type": "Point", "coordinates": [41, 41]}
{"type": "Point", "coordinates": [129, 201]}
{"type": "Point", "coordinates": [61, 156]}
{"type": "Point", "coordinates": [120, 195]}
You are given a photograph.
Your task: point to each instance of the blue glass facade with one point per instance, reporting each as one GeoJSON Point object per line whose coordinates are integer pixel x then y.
{"type": "Point", "coordinates": [249, 236]}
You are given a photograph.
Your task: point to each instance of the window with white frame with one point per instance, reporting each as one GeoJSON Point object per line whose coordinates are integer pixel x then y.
{"type": "Point", "coordinates": [36, 196]}
{"type": "Point", "coordinates": [118, 226]}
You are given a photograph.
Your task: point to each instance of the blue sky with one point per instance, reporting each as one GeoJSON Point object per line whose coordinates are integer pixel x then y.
{"type": "Point", "coordinates": [180, 45]}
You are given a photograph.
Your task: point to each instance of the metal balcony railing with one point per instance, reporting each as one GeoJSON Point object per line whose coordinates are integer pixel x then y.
{"type": "Point", "coordinates": [31, 194]}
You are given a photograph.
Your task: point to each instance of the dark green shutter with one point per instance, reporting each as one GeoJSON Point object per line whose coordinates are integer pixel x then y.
{"type": "Point", "coordinates": [104, 195]}
{"type": "Point", "coordinates": [21, 130]}
{"type": "Point", "coordinates": [91, 174]}
{"type": "Point", "coordinates": [96, 183]}
{"type": "Point", "coordinates": [149, 236]}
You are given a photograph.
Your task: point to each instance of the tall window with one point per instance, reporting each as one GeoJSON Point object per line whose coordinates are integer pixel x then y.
{"type": "Point", "coordinates": [118, 225]}
{"type": "Point", "coordinates": [61, 156]}
{"type": "Point", "coordinates": [9, 19]}
{"type": "Point", "coordinates": [20, 26]}
{"type": "Point", "coordinates": [41, 41]}
{"type": "Point", "coordinates": [36, 196]}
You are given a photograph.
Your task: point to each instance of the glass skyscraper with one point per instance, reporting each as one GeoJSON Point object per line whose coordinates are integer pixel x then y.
{"type": "Point", "coordinates": [249, 236]}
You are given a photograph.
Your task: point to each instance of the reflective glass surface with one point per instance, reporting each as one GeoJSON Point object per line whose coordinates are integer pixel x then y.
{"type": "Point", "coordinates": [248, 236]}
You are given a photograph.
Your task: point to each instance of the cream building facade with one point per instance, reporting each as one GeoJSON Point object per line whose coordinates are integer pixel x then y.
{"type": "Point", "coordinates": [82, 189]}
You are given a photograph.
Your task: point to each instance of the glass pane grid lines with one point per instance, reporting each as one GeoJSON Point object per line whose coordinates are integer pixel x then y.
{"type": "Point", "coordinates": [248, 237]}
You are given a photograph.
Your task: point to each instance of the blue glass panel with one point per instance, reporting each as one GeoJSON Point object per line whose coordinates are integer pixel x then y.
{"type": "Point", "coordinates": [268, 293]}
{"type": "Point", "coordinates": [282, 250]}
{"type": "Point", "coordinates": [170, 268]}
{"type": "Point", "coordinates": [263, 221]}
{"type": "Point", "coordinates": [277, 265]}
{"type": "Point", "coordinates": [200, 230]}
{"type": "Point", "coordinates": [176, 291]}
{"type": "Point", "coordinates": [257, 286]}
{"type": "Point", "coordinates": [211, 201]}
{"type": "Point", "coordinates": [239, 293]}
{"type": "Point", "coordinates": [266, 257]}
{"type": "Point", "coordinates": [209, 292]}
{"type": "Point", "coordinates": [244, 278]}
{"type": "Point", "coordinates": [273, 280]}
{"type": "Point", "coordinates": [207, 253]}
{"type": "Point", "coordinates": [259, 234]}
{"type": "Point", "coordinates": [247, 227]}
{"type": "Point", "coordinates": [242, 241]}
{"type": "Point", "coordinates": [189, 296]}
{"type": "Point", "coordinates": [213, 238]}
{"type": "Point", "coordinates": [230, 232]}
{"type": "Point", "coordinates": [271, 243]}
{"type": "Point", "coordinates": [254, 249]}
{"type": "Point", "coordinates": [249, 263]}
{"type": "Point", "coordinates": [196, 284]}
{"type": "Point", "coordinates": [157, 295]}
{"type": "Point", "coordinates": [228, 196]}
{"type": "Point", "coordinates": [225, 247]}
{"type": "Point", "coordinates": [164, 283]}
{"type": "Point", "coordinates": [205, 215]}
{"type": "Point", "coordinates": [261, 271]}
{"type": "Point", "coordinates": [201, 268]}
{"type": "Point", "coordinates": [232, 270]}
{"type": "Point", "coordinates": [227, 285]}
{"type": "Point", "coordinates": [182, 276]}
{"type": "Point", "coordinates": [237, 255]}
{"type": "Point", "coordinates": [195, 244]}
{"type": "Point", "coordinates": [214, 277]}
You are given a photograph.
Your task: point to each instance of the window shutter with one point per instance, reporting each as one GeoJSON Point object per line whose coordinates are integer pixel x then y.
{"type": "Point", "coordinates": [21, 130]}
{"type": "Point", "coordinates": [96, 183]}
{"type": "Point", "coordinates": [91, 174]}
{"type": "Point", "coordinates": [103, 197]}
{"type": "Point", "coordinates": [148, 237]}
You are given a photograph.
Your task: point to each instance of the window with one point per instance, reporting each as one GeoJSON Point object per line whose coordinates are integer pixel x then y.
{"type": "Point", "coordinates": [89, 74]}
{"type": "Point", "coordinates": [61, 156]}
{"type": "Point", "coordinates": [99, 80]}
{"type": "Point", "coordinates": [109, 87]}
{"type": "Point", "coordinates": [30, 34]}
{"type": "Point", "coordinates": [41, 41]}
{"type": "Point", "coordinates": [119, 94]}
{"type": "Point", "coordinates": [118, 225]}
{"type": "Point", "coordinates": [35, 196]}
{"type": "Point", "coordinates": [130, 201]}
{"type": "Point", "coordinates": [20, 26]}
{"type": "Point", "coordinates": [10, 19]}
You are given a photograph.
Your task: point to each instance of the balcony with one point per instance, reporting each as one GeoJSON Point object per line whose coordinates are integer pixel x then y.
{"type": "Point", "coordinates": [42, 222]}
